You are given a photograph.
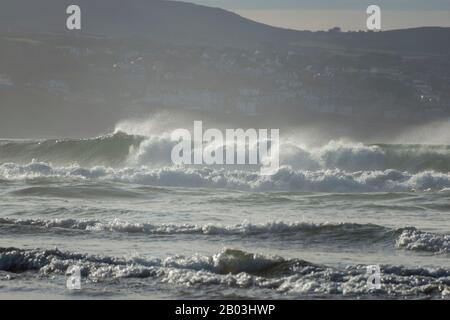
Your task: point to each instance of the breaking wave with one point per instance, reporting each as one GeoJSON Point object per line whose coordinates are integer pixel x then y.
{"type": "Point", "coordinates": [245, 228]}
{"type": "Point", "coordinates": [146, 159]}
{"type": "Point", "coordinates": [121, 149]}
{"type": "Point", "coordinates": [285, 179]}
{"type": "Point", "coordinates": [404, 238]}
{"type": "Point", "coordinates": [233, 269]}
{"type": "Point", "coordinates": [412, 239]}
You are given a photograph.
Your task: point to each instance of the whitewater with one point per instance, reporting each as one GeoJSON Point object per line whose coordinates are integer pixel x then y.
{"type": "Point", "coordinates": [140, 227]}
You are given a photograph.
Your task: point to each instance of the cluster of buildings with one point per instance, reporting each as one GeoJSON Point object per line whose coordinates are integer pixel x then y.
{"type": "Point", "coordinates": [247, 82]}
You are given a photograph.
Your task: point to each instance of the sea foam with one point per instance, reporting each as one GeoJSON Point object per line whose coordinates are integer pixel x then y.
{"type": "Point", "coordinates": [231, 268]}
{"type": "Point", "coordinates": [284, 179]}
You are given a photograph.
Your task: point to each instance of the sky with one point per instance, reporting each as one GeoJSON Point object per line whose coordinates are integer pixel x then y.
{"type": "Point", "coordinates": [347, 14]}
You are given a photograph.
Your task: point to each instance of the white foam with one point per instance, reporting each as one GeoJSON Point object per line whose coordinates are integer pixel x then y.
{"type": "Point", "coordinates": [409, 238]}
{"type": "Point", "coordinates": [244, 228]}
{"type": "Point", "coordinates": [412, 239]}
{"type": "Point", "coordinates": [234, 269]}
{"type": "Point", "coordinates": [285, 179]}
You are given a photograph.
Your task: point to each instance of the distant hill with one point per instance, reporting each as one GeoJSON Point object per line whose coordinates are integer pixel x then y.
{"type": "Point", "coordinates": [169, 21]}
{"type": "Point", "coordinates": [415, 40]}
{"type": "Point", "coordinates": [186, 23]}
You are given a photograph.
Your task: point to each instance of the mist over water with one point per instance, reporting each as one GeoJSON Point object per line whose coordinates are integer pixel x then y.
{"type": "Point", "coordinates": [437, 132]}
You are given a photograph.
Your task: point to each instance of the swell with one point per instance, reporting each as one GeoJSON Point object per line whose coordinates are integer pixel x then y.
{"type": "Point", "coordinates": [404, 238]}
{"type": "Point", "coordinates": [232, 268]}
{"type": "Point", "coordinates": [110, 150]}
{"type": "Point", "coordinates": [82, 191]}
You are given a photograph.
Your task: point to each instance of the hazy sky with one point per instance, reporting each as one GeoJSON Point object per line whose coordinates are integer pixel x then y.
{"type": "Point", "coordinates": [348, 14]}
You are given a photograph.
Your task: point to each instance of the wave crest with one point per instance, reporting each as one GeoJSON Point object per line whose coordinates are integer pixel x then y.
{"type": "Point", "coordinates": [285, 179]}
{"type": "Point", "coordinates": [120, 150]}
{"type": "Point", "coordinates": [416, 240]}
{"type": "Point", "coordinates": [233, 268]}
{"type": "Point", "coordinates": [405, 238]}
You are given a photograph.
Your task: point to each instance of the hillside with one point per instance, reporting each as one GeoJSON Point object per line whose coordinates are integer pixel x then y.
{"type": "Point", "coordinates": [189, 24]}
{"type": "Point", "coordinates": [137, 57]}
{"type": "Point", "coordinates": [170, 21]}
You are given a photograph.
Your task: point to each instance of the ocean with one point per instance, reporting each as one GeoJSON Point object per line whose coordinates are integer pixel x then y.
{"type": "Point", "coordinates": [139, 228]}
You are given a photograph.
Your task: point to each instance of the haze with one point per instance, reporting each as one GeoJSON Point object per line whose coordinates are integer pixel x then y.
{"type": "Point", "coordinates": [347, 14]}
